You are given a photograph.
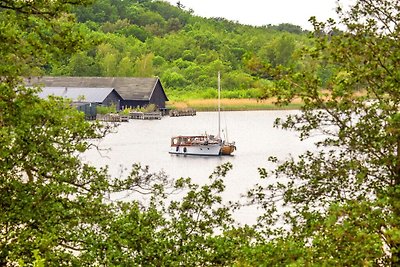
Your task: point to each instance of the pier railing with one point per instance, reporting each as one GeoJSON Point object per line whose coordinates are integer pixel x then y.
{"type": "Point", "coordinates": [182, 112]}
{"type": "Point", "coordinates": [156, 115]}
{"type": "Point", "coordinates": [112, 117]}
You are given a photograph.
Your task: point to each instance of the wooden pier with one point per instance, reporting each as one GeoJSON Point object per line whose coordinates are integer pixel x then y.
{"type": "Point", "coordinates": [146, 115]}
{"type": "Point", "coordinates": [152, 115]}
{"type": "Point", "coordinates": [182, 112]}
{"type": "Point", "coordinates": [124, 118]}
{"type": "Point", "coordinates": [136, 115]}
{"type": "Point", "coordinates": [112, 117]}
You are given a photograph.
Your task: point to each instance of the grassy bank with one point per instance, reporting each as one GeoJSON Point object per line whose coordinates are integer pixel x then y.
{"type": "Point", "coordinates": [229, 104]}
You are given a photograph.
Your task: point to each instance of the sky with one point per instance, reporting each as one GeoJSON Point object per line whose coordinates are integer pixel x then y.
{"type": "Point", "coordinates": [264, 12]}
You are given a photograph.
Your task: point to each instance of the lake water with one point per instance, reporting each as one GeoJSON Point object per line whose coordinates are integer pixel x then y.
{"type": "Point", "coordinates": [147, 142]}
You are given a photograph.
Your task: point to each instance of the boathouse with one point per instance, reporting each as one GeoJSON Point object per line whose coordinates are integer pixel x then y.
{"type": "Point", "coordinates": [85, 99]}
{"type": "Point", "coordinates": [132, 92]}
{"type": "Point", "coordinates": [99, 96]}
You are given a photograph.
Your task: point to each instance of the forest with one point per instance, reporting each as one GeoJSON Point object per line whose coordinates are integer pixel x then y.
{"type": "Point", "coordinates": [335, 205]}
{"type": "Point", "coordinates": [153, 38]}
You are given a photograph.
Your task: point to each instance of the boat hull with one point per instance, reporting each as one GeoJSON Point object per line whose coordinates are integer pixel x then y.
{"type": "Point", "coordinates": [228, 149]}
{"type": "Point", "coordinates": [201, 150]}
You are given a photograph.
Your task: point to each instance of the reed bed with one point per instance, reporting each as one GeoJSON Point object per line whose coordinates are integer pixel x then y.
{"type": "Point", "coordinates": [230, 104]}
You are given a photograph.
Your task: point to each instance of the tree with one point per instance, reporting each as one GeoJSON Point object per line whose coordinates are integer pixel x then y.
{"type": "Point", "coordinates": [278, 51]}
{"type": "Point", "coordinates": [108, 58]}
{"type": "Point", "coordinates": [144, 66]}
{"type": "Point", "coordinates": [343, 199]}
{"type": "Point", "coordinates": [125, 67]}
{"type": "Point", "coordinates": [55, 209]}
{"type": "Point", "coordinates": [287, 27]}
{"type": "Point", "coordinates": [98, 11]}
{"type": "Point", "coordinates": [83, 65]}
{"type": "Point", "coordinates": [26, 34]}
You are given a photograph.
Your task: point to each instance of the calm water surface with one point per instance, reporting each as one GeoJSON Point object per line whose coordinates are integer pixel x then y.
{"type": "Point", "coordinates": [147, 142]}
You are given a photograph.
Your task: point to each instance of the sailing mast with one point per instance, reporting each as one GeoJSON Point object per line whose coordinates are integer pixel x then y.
{"type": "Point", "coordinates": [219, 105]}
{"type": "Point", "coordinates": [227, 147]}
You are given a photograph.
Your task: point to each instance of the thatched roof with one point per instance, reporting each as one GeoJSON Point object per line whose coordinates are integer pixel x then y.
{"type": "Point", "coordinates": [128, 88]}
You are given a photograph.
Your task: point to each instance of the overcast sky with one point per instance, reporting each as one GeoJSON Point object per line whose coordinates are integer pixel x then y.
{"type": "Point", "coordinates": [264, 12]}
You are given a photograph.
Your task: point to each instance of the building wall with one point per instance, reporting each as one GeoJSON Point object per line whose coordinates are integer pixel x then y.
{"type": "Point", "coordinates": [88, 108]}
{"type": "Point", "coordinates": [113, 98]}
{"type": "Point", "coordinates": [158, 97]}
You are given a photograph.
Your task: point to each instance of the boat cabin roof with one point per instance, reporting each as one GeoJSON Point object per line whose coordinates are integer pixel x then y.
{"type": "Point", "coordinates": [190, 136]}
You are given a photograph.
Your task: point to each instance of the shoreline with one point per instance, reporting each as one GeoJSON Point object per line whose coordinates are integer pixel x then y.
{"type": "Point", "coordinates": [243, 104]}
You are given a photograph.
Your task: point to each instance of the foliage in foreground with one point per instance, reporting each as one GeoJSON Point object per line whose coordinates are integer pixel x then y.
{"type": "Point", "coordinates": [341, 201]}
{"type": "Point", "coordinates": [55, 209]}
{"type": "Point", "coordinates": [343, 198]}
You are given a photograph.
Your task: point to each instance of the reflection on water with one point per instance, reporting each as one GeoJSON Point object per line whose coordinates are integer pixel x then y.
{"type": "Point", "coordinates": [147, 142]}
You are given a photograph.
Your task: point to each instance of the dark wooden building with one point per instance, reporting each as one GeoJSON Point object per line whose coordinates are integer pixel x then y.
{"type": "Point", "coordinates": [133, 92]}
{"type": "Point", "coordinates": [99, 96]}
{"type": "Point", "coordinates": [85, 99]}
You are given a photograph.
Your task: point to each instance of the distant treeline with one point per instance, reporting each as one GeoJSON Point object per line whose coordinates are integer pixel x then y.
{"type": "Point", "coordinates": [146, 38]}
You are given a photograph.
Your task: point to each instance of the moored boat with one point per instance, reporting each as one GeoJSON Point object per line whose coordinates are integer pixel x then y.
{"type": "Point", "coordinates": [203, 145]}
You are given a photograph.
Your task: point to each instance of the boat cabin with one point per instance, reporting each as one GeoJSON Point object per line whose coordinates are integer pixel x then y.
{"type": "Point", "coordinates": [194, 140]}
